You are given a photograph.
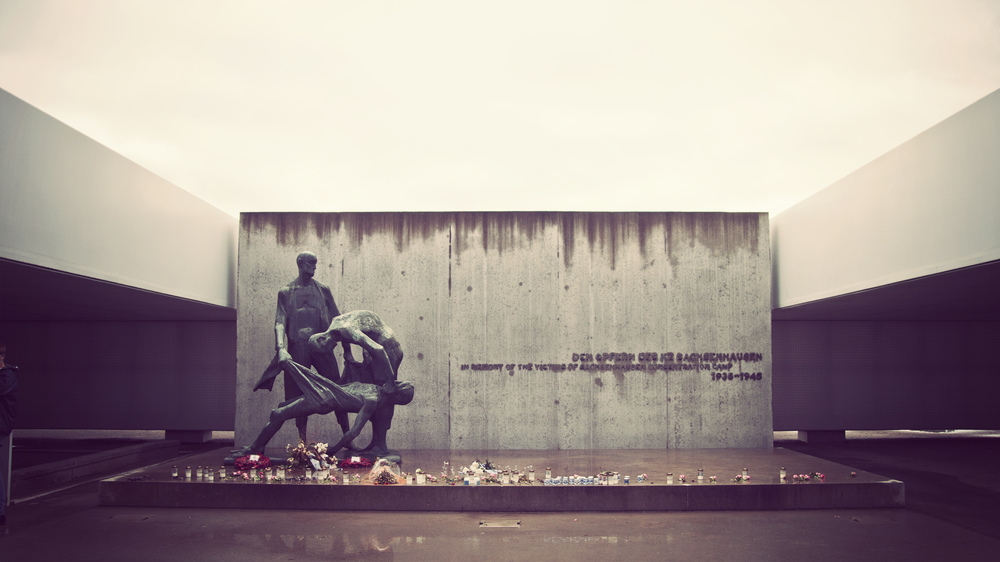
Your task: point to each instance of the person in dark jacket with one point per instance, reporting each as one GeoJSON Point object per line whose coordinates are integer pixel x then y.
{"type": "Point", "coordinates": [8, 414]}
{"type": "Point", "coordinates": [305, 307]}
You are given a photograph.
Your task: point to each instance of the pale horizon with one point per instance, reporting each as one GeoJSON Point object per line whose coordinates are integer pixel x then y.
{"type": "Point", "coordinates": [540, 106]}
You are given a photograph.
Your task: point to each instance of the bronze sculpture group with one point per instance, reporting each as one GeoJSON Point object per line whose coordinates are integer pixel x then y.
{"type": "Point", "coordinates": [308, 327]}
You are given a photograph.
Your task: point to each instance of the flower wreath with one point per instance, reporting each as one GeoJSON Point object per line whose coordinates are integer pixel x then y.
{"type": "Point", "coordinates": [246, 463]}
{"type": "Point", "coordinates": [350, 463]}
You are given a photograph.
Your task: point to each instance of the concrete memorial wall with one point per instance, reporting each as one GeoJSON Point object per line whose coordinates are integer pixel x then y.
{"type": "Point", "coordinates": [534, 330]}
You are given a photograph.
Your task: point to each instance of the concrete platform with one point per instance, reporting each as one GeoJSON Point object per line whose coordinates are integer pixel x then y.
{"type": "Point", "coordinates": [952, 494]}
{"type": "Point", "coordinates": [155, 487]}
{"type": "Point", "coordinates": [75, 468]}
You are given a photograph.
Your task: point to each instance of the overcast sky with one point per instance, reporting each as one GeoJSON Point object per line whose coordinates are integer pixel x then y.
{"type": "Point", "coordinates": [736, 105]}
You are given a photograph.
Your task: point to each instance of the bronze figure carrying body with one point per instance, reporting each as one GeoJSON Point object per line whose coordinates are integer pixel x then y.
{"type": "Point", "coordinates": [368, 388]}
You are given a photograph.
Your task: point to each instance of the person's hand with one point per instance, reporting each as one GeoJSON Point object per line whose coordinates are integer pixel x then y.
{"type": "Point", "coordinates": [283, 355]}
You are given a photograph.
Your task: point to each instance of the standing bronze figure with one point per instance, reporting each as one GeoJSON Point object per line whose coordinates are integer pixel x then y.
{"type": "Point", "coordinates": [305, 307]}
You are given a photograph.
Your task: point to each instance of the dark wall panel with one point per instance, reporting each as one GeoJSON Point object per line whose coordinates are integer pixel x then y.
{"type": "Point", "coordinates": [885, 375]}
{"type": "Point", "coordinates": [124, 375]}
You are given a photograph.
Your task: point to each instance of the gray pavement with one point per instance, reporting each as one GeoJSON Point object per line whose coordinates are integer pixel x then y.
{"type": "Point", "coordinates": [953, 513]}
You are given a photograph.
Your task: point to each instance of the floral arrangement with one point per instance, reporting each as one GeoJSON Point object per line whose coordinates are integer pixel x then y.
{"type": "Point", "coordinates": [384, 478]}
{"type": "Point", "coordinates": [486, 470]}
{"type": "Point", "coordinates": [485, 465]}
{"type": "Point", "coordinates": [712, 479]}
{"type": "Point", "coordinates": [489, 478]}
{"type": "Point", "coordinates": [682, 478]}
{"type": "Point", "coordinates": [811, 477]}
{"type": "Point", "coordinates": [741, 478]}
{"type": "Point", "coordinates": [303, 456]}
{"type": "Point", "coordinates": [357, 462]}
{"type": "Point", "coordinates": [384, 473]}
{"type": "Point", "coordinates": [854, 474]}
{"type": "Point", "coordinates": [249, 463]}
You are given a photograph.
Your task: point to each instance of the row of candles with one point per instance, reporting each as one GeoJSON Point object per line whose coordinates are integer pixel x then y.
{"type": "Point", "coordinates": [506, 477]}
{"type": "Point", "coordinates": [745, 475]}
{"type": "Point", "coordinates": [206, 474]}
{"type": "Point", "coordinates": [199, 473]}
{"type": "Point", "coordinates": [613, 479]}
{"type": "Point", "coordinates": [602, 479]}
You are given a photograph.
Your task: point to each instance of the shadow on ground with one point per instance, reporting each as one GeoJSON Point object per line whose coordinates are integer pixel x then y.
{"type": "Point", "coordinates": [956, 479]}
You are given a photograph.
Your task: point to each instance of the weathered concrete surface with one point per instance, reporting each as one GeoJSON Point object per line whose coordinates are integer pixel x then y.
{"type": "Point", "coordinates": [542, 296]}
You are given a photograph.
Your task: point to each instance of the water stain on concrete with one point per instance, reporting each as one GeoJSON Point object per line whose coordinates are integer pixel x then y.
{"type": "Point", "coordinates": [604, 232]}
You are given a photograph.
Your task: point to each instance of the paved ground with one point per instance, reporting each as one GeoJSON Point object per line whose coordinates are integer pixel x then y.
{"type": "Point", "coordinates": [953, 513]}
{"type": "Point", "coordinates": [953, 477]}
